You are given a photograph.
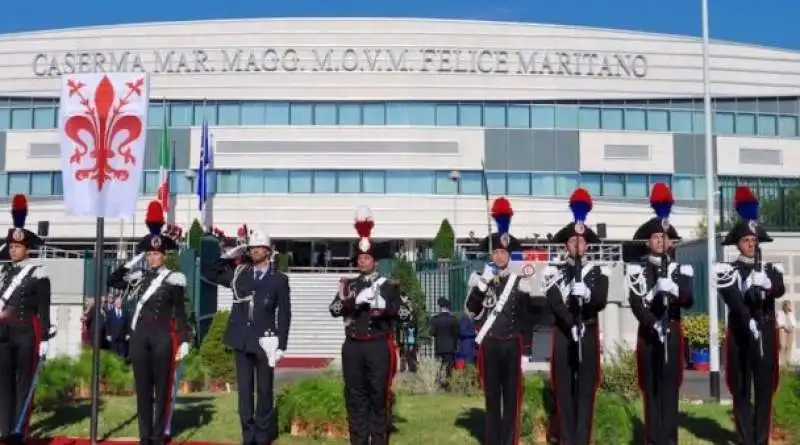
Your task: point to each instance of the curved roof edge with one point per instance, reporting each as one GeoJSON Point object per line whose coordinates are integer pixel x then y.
{"type": "Point", "coordinates": [412, 19]}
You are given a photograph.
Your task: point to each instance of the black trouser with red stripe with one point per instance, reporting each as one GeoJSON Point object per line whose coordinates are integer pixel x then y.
{"type": "Point", "coordinates": [748, 373]}
{"type": "Point", "coordinates": [152, 353]}
{"type": "Point", "coordinates": [19, 357]}
{"type": "Point", "coordinates": [500, 367]}
{"type": "Point", "coordinates": [660, 381]}
{"type": "Point", "coordinates": [368, 368]}
{"type": "Point", "coordinates": [574, 384]}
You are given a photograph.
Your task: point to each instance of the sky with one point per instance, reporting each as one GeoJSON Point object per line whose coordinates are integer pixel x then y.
{"type": "Point", "coordinates": [764, 22]}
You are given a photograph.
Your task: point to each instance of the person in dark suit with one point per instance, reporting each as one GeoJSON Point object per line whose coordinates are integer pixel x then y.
{"type": "Point", "coordinates": [116, 328]}
{"type": "Point", "coordinates": [258, 330]}
{"type": "Point", "coordinates": [444, 330]}
{"type": "Point", "coordinates": [467, 349]}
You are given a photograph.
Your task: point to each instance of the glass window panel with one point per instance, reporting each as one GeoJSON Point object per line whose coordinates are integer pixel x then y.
{"type": "Point", "coordinates": [683, 187]}
{"type": "Point", "coordinates": [613, 185]}
{"type": "Point", "coordinates": [180, 115]}
{"type": "Point", "coordinates": [155, 115]}
{"type": "Point", "coordinates": [566, 183]}
{"type": "Point", "coordinates": [666, 179]}
{"type": "Point", "coordinates": [496, 182]}
{"type": "Point", "coordinates": [700, 188]}
{"type": "Point", "coordinates": [445, 185]}
{"type": "Point", "coordinates": [397, 114]}
{"type": "Point", "coordinates": [5, 118]}
{"type": "Point", "coordinates": [590, 118]}
{"type": "Point", "coordinates": [405, 182]}
{"type": "Point", "coordinates": [349, 114]}
{"type": "Point", "coordinates": [349, 182]}
{"type": "Point", "coordinates": [593, 183]}
{"type": "Point", "coordinates": [767, 125]}
{"type": "Point", "coordinates": [745, 124]}
{"type": "Point", "coordinates": [152, 180]}
{"type": "Point", "coordinates": [373, 181]}
{"type": "Point", "coordinates": [324, 114]}
{"type": "Point", "coordinates": [698, 122]}
{"type": "Point", "coordinates": [494, 116]}
{"type": "Point", "coordinates": [3, 184]}
{"type": "Point", "coordinates": [179, 184]}
{"type": "Point", "coordinates": [374, 114]}
{"type": "Point", "coordinates": [543, 184]}
{"type": "Point", "coordinates": [519, 116]}
{"type": "Point", "coordinates": [18, 183]}
{"type": "Point", "coordinates": [251, 181]}
{"type": "Point", "coordinates": [22, 118]}
{"type": "Point", "coordinates": [253, 113]}
{"type": "Point", "coordinates": [205, 111]}
{"type": "Point", "coordinates": [543, 116]}
{"type": "Point", "coordinates": [469, 115]}
{"type": "Point", "coordinates": [636, 186]}
{"type": "Point", "coordinates": [611, 119]}
{"type": "Point", "coordinates": [421, 114]}
{"type": "Point", "coordinates": [471, 183]}
{"type": "Point", "coordinates": [44, 117]}
{"type": "Point", "coordinates": [41, 184]}
{"type": "Point", "coordinates": [229, 114]}
{"type": "Point", "coordinates": [635, 120]}
{"type": "Point", "coordinates": [787, 125]}
{"type": "Point", "coordinates": [277, 113]}
{"type": "Point", "coordinates": [447, 115]}
{"type": "Point", "coordinates": [567, 117]}
{"type": "Point", "coordinates": [324, 182]}
{"type": "Point", "coordinates": [724, 123]}
{"type": "Point", "coordinates": [58, 184]}
{"type": "Point", "coordinates": [300, 181]}
{"type": "Point", "coordinates": [301, 114]}
{"type": "Point", "coordinates": [681, 121]}
{"type": "Point", "coordinates": [519, 184]}
{"type": "Point", "coordinates": [276, 181]}
{"type": "Point", "coordinates": [658, 120]}
{"type": "Point", "coordinates": [227, 181]}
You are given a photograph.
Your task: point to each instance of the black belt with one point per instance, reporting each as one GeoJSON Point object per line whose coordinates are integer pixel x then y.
{"type": "Point", "coordinates": [368, 337]}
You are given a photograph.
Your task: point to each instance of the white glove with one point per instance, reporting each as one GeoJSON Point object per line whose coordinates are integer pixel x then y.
{"type": "Point", "coordinates": [269, 344]}
{"type": "Point", "coordinates": [577, 332]}
{"type": "Point", "coordinates": [134, 261]}
{"type": "Point", "coordinates": [754, 329]}
{"type": "Point", "coordinates": [235, 252]}
{"type": "Point", "coordinates": [43, 348]}
{"type": "Point", "coordinates": [183, 351]}
{"type": "Point", "coordinates": [488, 273]}
{"type": "Point", "coordinates": [365, 296]}
{"type": "Point", "coordinates": [580, 290]}
{"type": "Point", "coordinates": [478, 281]}
{"type": "Point", "coordinates": [660, 331]}
{"type": "Point", "coordinates": [760, 279]}
{"type": "Point", "coordinates": [279, 354]}
{"type": "Point", "coordinates": [666, 285]}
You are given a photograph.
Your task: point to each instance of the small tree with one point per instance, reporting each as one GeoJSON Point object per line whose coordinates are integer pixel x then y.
{"type": "Point", "coordinates": [171, 261]}
{"type": "Point", "coordinates": [195, 236]}
{"type": "Point", "coordinates": [404, 273]}
{"type": "Point", "coordinates": [283, 262]}
{"type": "Point", "coordinates": [215, 356]}
{"type": "Point", "coordinates": [444, 245]}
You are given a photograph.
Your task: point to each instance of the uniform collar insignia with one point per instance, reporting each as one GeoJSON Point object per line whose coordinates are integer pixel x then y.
{"type": "Point", "coordinates": [503, 272]}
{"type": "Point", "coordinates": [746, 259]}
{"type": "Point", "coordinates": [369, 277]}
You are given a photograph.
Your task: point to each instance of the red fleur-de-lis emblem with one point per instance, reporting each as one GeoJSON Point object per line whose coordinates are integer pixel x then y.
{"type": "Point", "coordinates": [103, 119]}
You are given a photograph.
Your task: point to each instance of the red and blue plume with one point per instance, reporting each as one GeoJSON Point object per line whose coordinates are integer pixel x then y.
{"type": "Point", "coordinates": [661, 200]}
{"type": "Point", "coordinates": [580, 203]}
{"type": "Point", "coordinates": [19, 210]}
{"type": "Point", "coordinates": [154, 219]}
{"type": "Point", "coordinates": [745, 203]}
{"type": "Point", "coordinates": [502, 213]}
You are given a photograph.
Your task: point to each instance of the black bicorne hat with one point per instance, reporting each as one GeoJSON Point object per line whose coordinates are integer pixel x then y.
{"type": "Point", "coordinates": [19, 234]}
{"type": "Point", "coordinates": [746, 205]}
{"type": "Point", "coordinates": [155, 241]}
{"type": "Point", "coordinates": [580, 203]}
{"type": "Point", "coordinates": [502, 239]}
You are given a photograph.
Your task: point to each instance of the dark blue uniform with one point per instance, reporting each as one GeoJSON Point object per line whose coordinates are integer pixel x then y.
{"type": "Point", "coordinates": [261, 307]}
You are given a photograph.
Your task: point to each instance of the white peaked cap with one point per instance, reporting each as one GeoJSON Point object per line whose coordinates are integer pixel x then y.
{"type": "Point", "coordinates": [258, 238]}
{"type": "Point", "coordinates": [363, 213]}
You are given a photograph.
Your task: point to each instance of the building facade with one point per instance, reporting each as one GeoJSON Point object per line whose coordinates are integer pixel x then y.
{"type": "Point", "coordinates": [311, 118]}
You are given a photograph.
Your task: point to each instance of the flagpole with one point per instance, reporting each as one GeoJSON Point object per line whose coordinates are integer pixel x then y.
{"type": "Point", "coordinates": [711, 235]}
{"type": "Point", "coordinates": [173, 195]}
{"type": "Point", "coordinates": [98, 315]}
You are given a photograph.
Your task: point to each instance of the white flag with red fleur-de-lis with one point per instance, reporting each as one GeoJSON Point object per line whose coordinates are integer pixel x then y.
{"type": "Point", "coordinates": [103, 124]}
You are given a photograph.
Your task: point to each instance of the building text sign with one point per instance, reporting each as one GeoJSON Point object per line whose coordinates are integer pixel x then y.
{"type": "Point", "coordinates": [348, 60]}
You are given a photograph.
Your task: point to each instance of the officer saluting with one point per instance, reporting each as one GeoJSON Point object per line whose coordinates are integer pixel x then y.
{"type": "Point", "coordinates": [749, 287]}
{"type": "Point", "coordinates": [498, 300]}
{"type": "Point", "coordinates": [24, 323]}
{"type": "Point", "coordinates": [576, 292]}
{"type": "Point", "coordinates": [159, 332]}
{"type": "Point", "coordinates": [369, 305]}
{"type": "Point", "coordinates": [658, 289]}
{"type": "Point", "coordinates": [258, 330]}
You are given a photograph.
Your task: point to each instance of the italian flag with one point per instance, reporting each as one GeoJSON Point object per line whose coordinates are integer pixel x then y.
{"type": "Point", "coordinates": [163, 164]}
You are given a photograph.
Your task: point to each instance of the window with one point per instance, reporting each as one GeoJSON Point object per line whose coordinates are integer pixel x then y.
{"type": "Point", "coordinates": [349, 182]}
{"type": "Point", "coordinates": [566, 183]}
{"type": "Point", "coordinates": [445, 185]}
{"type": "Point", "coordinates": [155, 115]}
{"type": "Point", "coordinates": [373, 182]}
{"type": "Point", "coordinates": [349, 114]}
{"type": "Point", "coordinates": [681, 121]}
{"type": "Point", "coordinates": [590, 118]}
{"type": "Point", "coordinates": [58, 184]}
{"type": "Point", "coordinates": [44, 118]}
{"type": "Point", "coordinates": [447, 115]}
{"type": "Point", "coordinates": [251, 181]}
{"type": "Point", "coordinates": [636, 186]}
{"type": "Point", "coordinates": [229, 114]}
{"type": "Point", "coordinates": [301, 114]}
{"type": "Point", "coordinates": [5, 118]}
{"type": "Point", "coordinates": [152, 180]}
{"type": "Point", "coordinates": [471, 183]}
{"type": "Point", "coordinates": [227, 181]}
{"type": "Point", "coordinates": [787, 125]}
{"type": "Point", "coordinates": [519, 116]}
{"type": "Point", "coordinates": [611, 119]}
{"type": "Point", "coordinates": [658, 120]}
{"type": "Point", "coordinates": [277, 114]}
{"type": "Point", "coordinates": [397, 114]}
{"type": "Point", "coordinates": [181, 115]}
{"type": "Point", "coordinates": [519, 184]}
{"type": "Point", "coordinates": [324, 182]}
{"type": "Point", "coordinates": [469, 115]}
{"type": "Point", "coordinates": [613, 185]}
{"type": "Point", "coordinates": [253, 113]}
{"type": "Point", "coordinates": [404, 182]}
{"type": "Point", "coordinates": [18, 183]}
{"type": "Point", "coordinates": [699, 122]}
{"type": "Point", "coordinates": [566, 117]}
{"type": "Point", "coordinates": [767, 125]}
{"type": "Point", "coordinates": [544, 116]}
{"type": "Point", "coordinates": [300, 181]}
{"type": "Point", "coordinates": [635, 120]}
{"type": "Point", "coordinates": [745, 124]}
{"type": "Point", "coordinates": [205, 113]}
{"type": "Point", "coordinates": [724, 123]}
{"type": "Point", "coordinates": [683, 187]}
{"type": "Point", "coordinates": [496, 183]}
{"type": "Point", "coordinates": [593, 183]}
{"type": "Point", "coordinates": [543, 184]}
{"type": "Point", "coordinates": [374, 114]}
{"type": "Point", "coordinates": [22, 118]}
{"type": "Point", "coordinates": [276, 181]}
{"type": "Point", "coordinates": [421, 114]}
{"type": "Point", "coordinates": [325, 114]}
{"type": "Point", "coordinates": [494, 116]}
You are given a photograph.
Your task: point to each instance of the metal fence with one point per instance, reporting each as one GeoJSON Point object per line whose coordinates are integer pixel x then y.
{"type": "Point", "coordinates": [779, 205]}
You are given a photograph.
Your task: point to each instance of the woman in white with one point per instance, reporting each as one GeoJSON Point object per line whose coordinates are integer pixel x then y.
{"type": "Point", "coordinates": [786, 326]}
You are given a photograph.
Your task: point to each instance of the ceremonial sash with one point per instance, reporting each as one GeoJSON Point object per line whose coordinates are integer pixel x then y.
{"type": "Point", "coordinates": [15, 284]}
{"type": "Point", "coordinates": [498, 307]}
{"type": "Point", "coordinates": [154, 285]}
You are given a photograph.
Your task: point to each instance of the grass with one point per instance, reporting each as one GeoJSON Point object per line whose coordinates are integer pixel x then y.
{"type": "Point", "coordinates": [436, 420]}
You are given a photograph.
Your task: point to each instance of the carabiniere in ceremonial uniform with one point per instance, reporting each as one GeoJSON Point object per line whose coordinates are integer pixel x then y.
{"type": "Point", "coordinates": [159, 333]}
{"type": "Point", "coordinates": [658, 289]}
{"type": "Point", "coordinates": [369, 305]}
{"type": "Point", "coordinates": [576, 291]}
{"type": "Point", "coordinates": [498, 300]}
{"type": "Point", "coordinates": [24, 325]}
{"type": "Point", "coordinates": [750, 287]}
{"type": "Point", "coordinates": [258, 331]}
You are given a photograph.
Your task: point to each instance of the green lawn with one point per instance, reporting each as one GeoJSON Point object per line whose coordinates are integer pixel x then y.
{"type": "Point", "coordinates": [440, 419]}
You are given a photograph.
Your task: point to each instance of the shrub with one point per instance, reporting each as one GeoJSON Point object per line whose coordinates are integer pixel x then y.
{"type": "Point", "coordinates": [534, 413]}
{"type": "Point", "coordinates": [444, 245]}
{"type": "Point", "coordinates": [194, 373]}
{"type": "Point", "coordinates": [424, 381]}
{"type": "Point", "coordinates": [465, 381]}
{"type": "Point", "coordinates": [786, 405]}
{"type": "Point", "coordinates": [315, 405]}
{"type": "Point", "coordinates": [613, 419]}
{"type": "Point", "coordinates": [403, 272]}
{"type": "Point", "coordinates": [195, 236]}
{"type": "Point", "coordinates": [116, 376]}
{"type": "Point", "coordinates": [619, 373]}
{"type": "Point", "coordinates": [697, 329]}
{"type": "Point", "coordinates": [57, 381]}
{"type": "Point", "coordinates": [215, 357]}
{"type": "Point", "coordinates": [283, 262]}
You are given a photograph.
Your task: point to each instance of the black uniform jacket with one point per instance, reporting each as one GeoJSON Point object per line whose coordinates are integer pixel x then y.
{"type": "Point", "coordinates": [745, 302]}
{"type": "Point", "coordinates": [556, 284]}
{"type": "Point", "coordinates": [444, 330]}
{"type": "Point", "coordinates": [512, 319]}
{"type": "Point", "coordinates": [369, 319]}
{"type": "Point", "coordinates": [261, 305]}
{"type": "Point", "coordinates": [641, 279]}
{"type": "Point", "coordinates": [31, 294]}
{"type": "Point", "coordinates": [165, 305]}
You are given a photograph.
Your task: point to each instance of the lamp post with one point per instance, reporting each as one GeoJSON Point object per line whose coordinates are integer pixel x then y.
{"type": "Point", "coordinates": [189, 174]}
{"type": "Point", "coordinates": [455, 176]}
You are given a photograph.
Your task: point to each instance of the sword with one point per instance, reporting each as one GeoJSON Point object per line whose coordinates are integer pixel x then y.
{"type": "Point", "coordinates": [488, 206]}
{"type": "Point", "coordinates": [759, 267]}
{"type": "Point", "coordinates": [176, 380]}
{"type": "Point", "coordinates": [665, 274]}
{"type": "Point", "coordinates": [579, 324]}
{"type": "Point", "coordinates": [28, 399]}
